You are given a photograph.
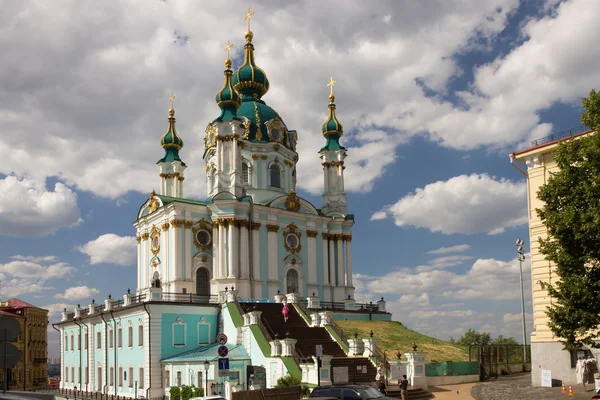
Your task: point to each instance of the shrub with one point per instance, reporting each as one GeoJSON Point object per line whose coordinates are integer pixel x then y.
{"type": "Point", "coordinates": [175, 393]}
{"type": "Point", "coordinates": [186, 392]}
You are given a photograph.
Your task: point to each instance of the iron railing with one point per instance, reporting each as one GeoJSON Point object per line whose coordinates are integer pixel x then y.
{"type": "Point", "coordinates": [560, 135]}
{"type": "Point", "coordinates": [188, 298]}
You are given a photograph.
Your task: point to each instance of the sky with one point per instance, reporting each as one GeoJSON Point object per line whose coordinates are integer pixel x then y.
{"type": "Point", "coordinates": [433, 97]}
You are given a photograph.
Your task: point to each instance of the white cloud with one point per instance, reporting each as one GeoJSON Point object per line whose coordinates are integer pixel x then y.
{"type": "Point", "coordinates": [449, 261]}
{"type": "Point", "coordinates": [15, 287]}
{"type": "Point", "coordinates": [27, 208]}
{"type": "Point", "coordinates": [111, 249]}
{"type": "Point", "coordinates": [35, 259]}
{"type": "Point", "coordinates": [55, 310]}
{"type": "Point", "coordinates": [28, 269]}
{"type": "Point", "coordinates": [77, 293]}
{"type": "Point", "coordinates": [466, 204]}
{"type": "Point", "coordinates": [445, 250]}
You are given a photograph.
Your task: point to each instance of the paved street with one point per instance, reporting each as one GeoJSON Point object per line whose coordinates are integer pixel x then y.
{"type": "Point", "coordinates": [518, 387]}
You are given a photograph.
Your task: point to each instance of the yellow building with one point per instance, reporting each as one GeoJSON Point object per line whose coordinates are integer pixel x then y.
{"type": "Point", "coordinates": [547, 353]}
{"type": "Point", "coordinates": [31, 372]}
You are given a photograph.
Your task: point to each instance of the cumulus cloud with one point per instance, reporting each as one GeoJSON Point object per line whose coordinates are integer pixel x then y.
{"type": "Point", "coordinates": [445, 250]}
{"type": "Point", "coordinates": [55, 310]}
{"type": "Point", "coordinates": [28, 269]}
{"type": "Point", "coordinates": [448, 261]}
{"type": "Point", "coordinates": [111, 249]}
{"type": "Point", "coordinates": [28, 208]}
{"type": "Point", "coordinates": [35, 259]}
{"type": "Point", "coordinates": [77, 293]}
{"type": "Point", "coordinates": [468, 204]}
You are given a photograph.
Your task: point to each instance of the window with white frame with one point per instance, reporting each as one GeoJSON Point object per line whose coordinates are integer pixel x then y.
{"type": "Point", "coordinates": [275, 175]}
{"type": "Point", "coordinates": [78, 341]}
{"type": "Point", "coordinates": [72, 342]}
{"type": "Point", "coordinates": [141, 378]}
{"type": "Point", "coordinates": [87, 375]}
{"type": "Point", "coordinates": [120, 336]}
{"type": "Point", "coordinates": [85, 341]}
{"type": "Point", "coordinates": [111, 378]}
{"type": "Point", "coordinates": [179, 331]}
{"type": "Point", "coordinates": [130, 335]}
{"type": "Point", "coordinates": [245, 173]}
{"type": "Point", "coordinates": [98, 340]}
{"type": "Point", "coordinates": [66, 374]}
{"type": "Point", "coordinates": [167, 378]}
{"type": "Point", "coordinates": [140, 335]}
{"type": "Point", "coordinates": [203, 331]}
{"type": "Point", "coordinates": [130, 380]}
{"type": "Point", "coordinates": [110, 338]}
{"type": "Point", "coordinates": [72, 374]}
{"type": "Point", "coordinates": [66, 342]}
{"type": "Point", "coordinates": [200, 381]}
{"type": "Point", "coordinates": [178, 378]}
{"type": "Point", "coordinates": [120, 376]}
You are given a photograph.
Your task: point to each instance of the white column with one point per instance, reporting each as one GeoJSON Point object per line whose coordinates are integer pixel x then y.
{"type": "Point", "coordinates": [331, 262]}
{"type": "Point", "coordinates": [175, 267]}
{"type": "Point", "coordinates": [141, 268]}
{"type": "Point", "coordinates": [263, 170]}
{"type": "Point", "coordinates": [341, 178]}
{"type": "Point", "coordinates": [222, 260]}
{"type": "Point", "coordinates": [326, 175]}
{"type": "Point", "coordinates": [219, 155]}
{"type": "Point", "coordinates": [256, 252]}
{"type": "Point", "coordinates": [349, 261]}
{"type": "Point", "coordinates": [187, 233]}
{"type": "Point", "coordinates": [312, 257]}
{"type": "Point", "coordinates": [325, 259]}
{"type": "Point", "coordinates": [245, 251]}
{"type": "Point", "coordinates": [232, 245]}
{"type": "Point", "coordinates": [273, 277]}
{"type": "Point", "coordinates": [216, 247]}
{"type": "Point", "coordinates": [254, 170]}
{"type": "Point", "coordinates": [340, 260]}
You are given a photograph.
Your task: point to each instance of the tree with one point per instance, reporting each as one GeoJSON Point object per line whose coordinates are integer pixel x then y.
{"type": "Point", "coordinates": [474, 338]}
{"type": "Point", "coordinates": [571, 213]}
{"type": "Point", "coordinates": [504, 340]}
{"type": "Point", "coordinates": [174, 393]}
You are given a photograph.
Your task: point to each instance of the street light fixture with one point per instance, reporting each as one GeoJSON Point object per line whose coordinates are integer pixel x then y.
{"type": "Point", "coordinates": [206, 366]}
{"type": "Point", "coordinates": [521, 258]}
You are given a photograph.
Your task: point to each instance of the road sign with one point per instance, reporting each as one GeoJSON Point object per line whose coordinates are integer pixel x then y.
{"type": "Point", "coordinates": [9, 355]}
{"type": "Point", "coordinates": [224, 372]}
{"type": "Point", "coordinates": [222, 351]}
{"type": "Point", "coordinates": [223, 363]}
{"type": "Point", "coordinates": [319, 350]}
{"type": "Point", "coordinates": [222, 338]}
{"type": "Point", "coordinates": [9, 329]}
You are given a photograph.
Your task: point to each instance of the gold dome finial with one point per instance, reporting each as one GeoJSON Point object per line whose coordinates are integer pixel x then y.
{"type": "Point", "coordinates": [249, 35]}
{"type": "Point", "coordinates": [172, 100]}
{"type": "Point", "coordinates": [331, 83]}
{"type": "Point", "coordinates": [228, 60]}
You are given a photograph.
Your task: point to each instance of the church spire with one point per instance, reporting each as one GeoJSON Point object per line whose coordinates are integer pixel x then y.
{"type": "Point", "coordinates": [227, 98]}
{"type": "Point", "coordinates": [171, 165]}
{"type": "Point", "coordinates": [332, 128]}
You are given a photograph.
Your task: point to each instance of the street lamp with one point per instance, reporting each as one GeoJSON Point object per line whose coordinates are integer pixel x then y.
{"type": "Point", "coordinates": [521, 258]}
{"type": "Point", "coordinates": [206, 366]}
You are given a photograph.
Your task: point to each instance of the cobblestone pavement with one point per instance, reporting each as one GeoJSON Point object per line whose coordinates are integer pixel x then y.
{"type": "Point", "coordinates": [518, 387]}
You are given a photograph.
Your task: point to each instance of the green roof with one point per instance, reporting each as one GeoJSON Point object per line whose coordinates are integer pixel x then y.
{"type": "Point", "coordinates": [249, 79]}
{"type": "Point", "coordinates": [169, 199]}
{"type": "Point", "coordinates": [171, 141]}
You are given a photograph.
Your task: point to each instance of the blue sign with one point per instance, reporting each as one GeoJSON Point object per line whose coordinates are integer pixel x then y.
{"type": "Point", "coordinates": [222, 351]}
{"type": "Point", "coordinates": [223, 363]}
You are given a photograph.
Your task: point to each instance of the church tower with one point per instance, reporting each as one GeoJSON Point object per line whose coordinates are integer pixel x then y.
{"type": "Point", "coordinates": [222, 144]}
{"type": "Point", "coordinates": [333, 155]}
{"type": "Point", "coordinates": [171, 167]}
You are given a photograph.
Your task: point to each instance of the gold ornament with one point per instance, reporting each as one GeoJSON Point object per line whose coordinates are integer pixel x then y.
{"type": "Point", "coordinates": [291, 238]}
{"type": "Point", "coordinates": [292, 203]}
{"type": "Point", "coordinates": [155, 240]}
{"type": "Point", "coordinates": [205, 230]}
{"type": "Point", "coordinates": [153, 205]}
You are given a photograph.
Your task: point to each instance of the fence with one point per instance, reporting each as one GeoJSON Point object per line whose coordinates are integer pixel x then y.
{"type": "Point", "coordinates": [500, 359]}
{"type": "Point", "coordinates": [452, 368]}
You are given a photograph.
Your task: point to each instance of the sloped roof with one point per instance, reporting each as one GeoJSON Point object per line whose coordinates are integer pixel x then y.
{"type": "Point", "coordinates": [209, 353]}
{"type": "Point", "coordinates": [17, 303]}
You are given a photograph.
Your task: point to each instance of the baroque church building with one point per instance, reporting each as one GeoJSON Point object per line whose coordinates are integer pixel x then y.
{"type": "Point", "coordinates": [252, 232]}
{"type": "Point", "coordinates": [212, 274]}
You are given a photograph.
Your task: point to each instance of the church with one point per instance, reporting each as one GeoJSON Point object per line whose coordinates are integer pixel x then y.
{"type": "Point", "coordinates": [220, 267]}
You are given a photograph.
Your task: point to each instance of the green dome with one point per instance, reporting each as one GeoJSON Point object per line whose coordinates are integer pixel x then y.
{"type": "Point", "coordinates": [249, 78]}
{"type": "Point", "coordinates": [171, 141]}
{"type": "Point", "coordinates": [265, 124]}
{"type": "Point", "coordinates": [228, 99]}
{"type": "Point", "coordinates": [332, 129]}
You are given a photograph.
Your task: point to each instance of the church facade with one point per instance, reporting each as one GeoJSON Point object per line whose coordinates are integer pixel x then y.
{"type": "Point", "coordinates": [252, 232]}
{"type": "Point", "coordinates": [206, 268]}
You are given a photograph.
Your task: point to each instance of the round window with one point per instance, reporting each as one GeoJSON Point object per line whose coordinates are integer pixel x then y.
{"type": "Point", "coordinates": [203, 237]}
{"type": "Point", "coordinates": [292, 241]}
{"type": "Point", "coordinates": [275, 134]}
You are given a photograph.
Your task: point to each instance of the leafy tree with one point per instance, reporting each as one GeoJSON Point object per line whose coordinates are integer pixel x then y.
{"type": "Point", "coordinates": [174, 393]}
{"type": "Point", "coordinates": [502, 340]}
{"type": "Point", "coordinates": [474, 338]}
{"type": "Point", "coordinates": [571, 213]}
{"type": "Point", "coordinates": [186, 392]}
{"type": "Point", "coordinates": [198, 392]}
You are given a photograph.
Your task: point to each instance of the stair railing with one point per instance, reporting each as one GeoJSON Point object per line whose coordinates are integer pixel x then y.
{"type": "Point", "coordinates": [338, 330]}
{"type": "Point", "coordinates": [304, 309]}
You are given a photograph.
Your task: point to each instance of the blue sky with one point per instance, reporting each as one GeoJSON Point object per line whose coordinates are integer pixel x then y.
{"type": "Point", "coordinates": [432, 98]}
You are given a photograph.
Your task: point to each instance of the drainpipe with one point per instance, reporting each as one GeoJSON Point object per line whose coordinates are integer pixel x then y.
{"type": "Point", "coordinates": [115, 347]}
{"type": "Point", "coordinates": [149, 354]}
{"type": "Point", "coordinates": [26, 347]}
{"type": "Point", "coordinates": [524, 172]}
{"type": "Point", "coordinates": [80, 357]}
{"type": "Point", "coordinates": [105, 355]}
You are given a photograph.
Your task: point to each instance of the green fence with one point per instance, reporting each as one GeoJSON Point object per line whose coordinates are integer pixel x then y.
{"type": "Point", "coordinates": [452, 368]}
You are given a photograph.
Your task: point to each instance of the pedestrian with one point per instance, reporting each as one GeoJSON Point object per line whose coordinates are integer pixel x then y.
{"type": "Point", "coordinates": [404, 388]}
{"type": "Point", "coordinates": [379, 373]}
{"type": "Point", "coordinates": [285, 311]}
{"type": "Point", "coordinates": [382, 385]}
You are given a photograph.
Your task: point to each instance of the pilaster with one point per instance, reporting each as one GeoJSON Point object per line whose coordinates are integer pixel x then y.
{"type": "Point", "coordinates": [311, 237]}
{"type": "Point", "coordinates": [273, 254]}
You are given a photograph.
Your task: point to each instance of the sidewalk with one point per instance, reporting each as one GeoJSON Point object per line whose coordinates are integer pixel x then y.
{"type": "Point", "coordinates": [453, 392]}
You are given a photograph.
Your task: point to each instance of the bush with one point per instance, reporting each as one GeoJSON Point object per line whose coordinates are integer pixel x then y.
{"type": "Point", "coordinates": [198, 392]}
{"type": "Point", "coordinates": [186, 392]}
{"type": "Point", "coordinates": [290, 381]}
{"type": "Point", "coordinates": [175, 393]}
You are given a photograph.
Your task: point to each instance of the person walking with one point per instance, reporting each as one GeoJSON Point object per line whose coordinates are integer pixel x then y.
{"type": "Point", "coordinates": [404, 387]}
{"type": "Point", "coordinates": [382, 385]}
{"type": "Point", "coordinates": [285, 311]}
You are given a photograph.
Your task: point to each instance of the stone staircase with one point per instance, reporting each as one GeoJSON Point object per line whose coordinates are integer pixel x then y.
{"type": "Point", "coordinates": [308, 337]}
{"type": "Point", "coordinates": [413, 394]}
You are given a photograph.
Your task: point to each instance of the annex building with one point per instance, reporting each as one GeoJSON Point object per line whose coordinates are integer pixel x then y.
{"type": "Point", "coordinates": [224, 265]}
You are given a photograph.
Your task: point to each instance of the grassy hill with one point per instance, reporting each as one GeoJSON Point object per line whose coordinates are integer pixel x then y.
{"type": "Point", "coordinates": [395, 337]}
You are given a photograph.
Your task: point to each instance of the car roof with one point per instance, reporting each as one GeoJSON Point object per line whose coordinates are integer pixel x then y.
{"type": "Point", "coordinates": [342, 386]}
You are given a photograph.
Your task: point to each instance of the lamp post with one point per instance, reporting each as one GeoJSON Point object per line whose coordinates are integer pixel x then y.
{"type": "Point", "coordinates": [206, 366]}
{"type": "Point", "coordinates": [521, 258]}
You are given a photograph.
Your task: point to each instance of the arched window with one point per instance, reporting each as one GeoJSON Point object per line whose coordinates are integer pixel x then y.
{"type": "Point", "coordinates": [245, 173]}
{"type": "Point", "coordinates": [156, 280]}
{"type": "Point", "coordinates": [275, 176]}
{"type": "Point", "coordinates": [294, 178]}
{"type": "Point", "coordinates": [202, 282]}
{"type": "Point", "coordinates": [292, 281]}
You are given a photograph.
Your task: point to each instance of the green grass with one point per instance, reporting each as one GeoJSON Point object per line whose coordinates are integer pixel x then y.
{"type": "Point", "coordinates": [396, 337]}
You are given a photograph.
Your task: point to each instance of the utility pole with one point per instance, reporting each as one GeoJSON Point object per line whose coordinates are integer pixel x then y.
{"type": "Point", "coordinates": [521, 258]}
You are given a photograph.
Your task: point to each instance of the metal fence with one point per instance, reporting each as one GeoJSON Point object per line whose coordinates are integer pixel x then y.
{"type": "Point", "coordinates": [560, 135]}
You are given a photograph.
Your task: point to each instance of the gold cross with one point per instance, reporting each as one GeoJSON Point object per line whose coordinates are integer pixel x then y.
{"type": "Point", "coordinates": [330, 84]}
{"type": "Point", "coordinates": [248, 16]}
{"type": "Point", "coordinates": [227, 48]}
{"type": "Point", "coordinates": [172, 100]}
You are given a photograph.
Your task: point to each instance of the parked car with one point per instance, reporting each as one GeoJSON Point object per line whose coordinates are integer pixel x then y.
{"type": "Point", "coordinates": [349, 392]}
{"type": "Point", "coordinates": [209, 398]}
